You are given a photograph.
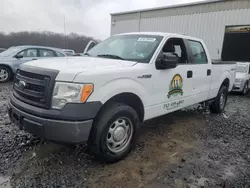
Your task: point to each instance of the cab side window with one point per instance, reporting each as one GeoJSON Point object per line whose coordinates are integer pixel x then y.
{"type": "Point", "coordinates": [29, 53]}
{"type": "Point", "coordinates": [176, 47]}
{"type": "Point", "coordinates": [198, 54]}
{"type": "Point", "coordinates": [46, 53]}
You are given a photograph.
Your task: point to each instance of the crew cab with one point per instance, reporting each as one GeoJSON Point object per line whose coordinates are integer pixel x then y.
{"type": "Point", "coordinates": [242, 79]}
{"type": "Point", "coordinates": [106, 95]}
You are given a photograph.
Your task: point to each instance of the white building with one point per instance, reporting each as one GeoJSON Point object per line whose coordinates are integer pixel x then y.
{"type": "Point", "coordinates": [214, 21]}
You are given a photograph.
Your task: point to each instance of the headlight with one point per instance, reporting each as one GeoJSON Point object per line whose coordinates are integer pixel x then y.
{"type": "Point", "coordinates": [238, 80]}
{"type": "Point", "coordinates": [70, 93]}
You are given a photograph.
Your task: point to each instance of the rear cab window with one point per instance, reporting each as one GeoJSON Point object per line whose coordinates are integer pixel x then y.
{"type": "Point", "coordinates": [198, 53]}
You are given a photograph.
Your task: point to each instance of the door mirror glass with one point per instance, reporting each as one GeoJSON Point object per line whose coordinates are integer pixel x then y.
{"type": "Point", "coordinates": [167, 61]}
{"type": "Point", "coordinates": [19, 56]}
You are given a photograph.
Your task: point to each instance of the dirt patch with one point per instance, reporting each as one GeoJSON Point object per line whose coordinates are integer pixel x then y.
{"type": "Point", "coordinates": [165, 140]}
{"type": "Point", "coordinates": [189, 148]}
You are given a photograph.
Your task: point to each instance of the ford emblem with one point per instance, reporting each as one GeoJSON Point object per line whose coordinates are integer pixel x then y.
{"type": "Point", "coordinates": [22, 84]}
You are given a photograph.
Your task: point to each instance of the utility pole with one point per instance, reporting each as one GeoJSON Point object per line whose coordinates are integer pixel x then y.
{"type": "Point", "coordinates": [65, 39]}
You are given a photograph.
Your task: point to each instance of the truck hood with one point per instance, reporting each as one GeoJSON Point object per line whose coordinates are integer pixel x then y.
{"type": "Point", "coordinates": [69, 67]}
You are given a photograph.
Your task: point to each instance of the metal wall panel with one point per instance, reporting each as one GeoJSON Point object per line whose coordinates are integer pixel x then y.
{"type": "Point", "coordinates": [209, 26]}
{"type": "Point", "coordinates": [124, 26]}
{"type": "Point", "coordinates": [193, 8]}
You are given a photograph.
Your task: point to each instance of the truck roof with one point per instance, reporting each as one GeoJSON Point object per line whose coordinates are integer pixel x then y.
{"type": "Point", "coordinates": [162, 34]}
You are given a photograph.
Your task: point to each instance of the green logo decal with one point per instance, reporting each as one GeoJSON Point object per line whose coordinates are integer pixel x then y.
{"type": "Point", "coordinates": [175, 86]}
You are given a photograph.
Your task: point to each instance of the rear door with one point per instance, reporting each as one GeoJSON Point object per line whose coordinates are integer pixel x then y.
{"type": "Point", "coordinates": [201, 70]}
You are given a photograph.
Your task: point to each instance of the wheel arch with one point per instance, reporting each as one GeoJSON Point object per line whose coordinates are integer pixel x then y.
{"type": "Point", "coordinates": [7, 66]}
{"type": "Point", "coordinates": [226, 83]}
{"type": "Point", "coordinates": [130, 99]}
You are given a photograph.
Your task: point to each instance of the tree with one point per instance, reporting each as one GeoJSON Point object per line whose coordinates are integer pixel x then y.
{"type": "Point", "coordinates": [46, 38]}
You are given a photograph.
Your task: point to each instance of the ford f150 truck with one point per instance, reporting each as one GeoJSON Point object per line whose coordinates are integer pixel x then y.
{"type": "Point", "coordinates": [104, 96]}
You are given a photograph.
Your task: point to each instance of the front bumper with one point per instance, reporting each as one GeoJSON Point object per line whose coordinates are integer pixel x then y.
{"type": "Point", "coordinates": [238, 87]}
{"type": "Point", "coordinates": [68, 131]}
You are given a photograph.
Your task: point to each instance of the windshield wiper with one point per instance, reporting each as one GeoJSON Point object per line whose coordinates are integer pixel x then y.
{"type": "Point", "coordinates": [111, 56]}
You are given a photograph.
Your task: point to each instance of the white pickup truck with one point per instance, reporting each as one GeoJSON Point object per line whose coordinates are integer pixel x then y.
{"type": "Point", "coordinates": [104, 96]}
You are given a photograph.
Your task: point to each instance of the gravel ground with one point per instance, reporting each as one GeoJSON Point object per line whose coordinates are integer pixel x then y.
{"type": "Point", "coordinates": [189, 148]}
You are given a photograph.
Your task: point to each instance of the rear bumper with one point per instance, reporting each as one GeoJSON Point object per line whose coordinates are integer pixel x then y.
{"type": "Point", "coordinates": [50, 129]}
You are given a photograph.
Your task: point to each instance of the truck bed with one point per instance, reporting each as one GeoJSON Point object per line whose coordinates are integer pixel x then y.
{"type": "Point", "coordinates": [219, 62]}
{"type": "Point", "coordinates": [220, 70]}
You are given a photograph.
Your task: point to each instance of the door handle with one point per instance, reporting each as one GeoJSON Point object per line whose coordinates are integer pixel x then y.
{"type": "Point", "coordinates": [209, 72]}
{"type": "Point", "coordinates": [34, 59]}
{"type": "Point", "coordinates": [189, 74]}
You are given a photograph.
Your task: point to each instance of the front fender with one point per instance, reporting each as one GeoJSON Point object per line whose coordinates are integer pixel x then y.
{"type": "Point", "coordinates": [118, 86]}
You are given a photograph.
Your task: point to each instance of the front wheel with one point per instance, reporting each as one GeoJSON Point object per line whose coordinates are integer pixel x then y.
{"type": "Point", "coordinates": [5, 74]}
{"type": "Point", "coordinates": [220, 101]}
{"type": "Point", "coordinates": [114, 132]}
{"type": "Point", "coordinates": [245, 89]}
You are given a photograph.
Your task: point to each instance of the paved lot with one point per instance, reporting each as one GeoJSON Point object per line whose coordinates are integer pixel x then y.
{"type": "Point", "coordinates": [190, 148]}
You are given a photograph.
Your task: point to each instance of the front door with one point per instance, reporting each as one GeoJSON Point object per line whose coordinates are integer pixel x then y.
{"type": "Point", "coordinates": [172, 87]}
{"type": "Point", "coordinates": [26, 55]}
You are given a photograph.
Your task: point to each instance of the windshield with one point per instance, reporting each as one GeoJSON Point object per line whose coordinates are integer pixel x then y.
{"type": "Point", "coordinates": [241, 69]}
{"type": "Point", "coordinates": [138, 48]}
{"type": "Point", "coordinates": [9, 51]}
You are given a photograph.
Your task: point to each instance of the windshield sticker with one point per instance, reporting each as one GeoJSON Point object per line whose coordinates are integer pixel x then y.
{"type": "Point", "coordinates": [175, 86]}
{"type": "Point", "coordinates": [146, 39]}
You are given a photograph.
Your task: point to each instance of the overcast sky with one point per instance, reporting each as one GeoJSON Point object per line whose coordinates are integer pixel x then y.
{"type": "Point", "coordinates": [88, 17]}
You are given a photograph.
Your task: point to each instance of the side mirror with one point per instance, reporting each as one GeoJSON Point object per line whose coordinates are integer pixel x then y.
{"type": "Point", "coordinates": [18, 56]}
{"type": "Point", "coordinates": [167, 61]}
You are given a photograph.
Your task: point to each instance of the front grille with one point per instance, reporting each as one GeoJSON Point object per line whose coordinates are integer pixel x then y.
{"type": "Point", "coordinates": [32, 88]}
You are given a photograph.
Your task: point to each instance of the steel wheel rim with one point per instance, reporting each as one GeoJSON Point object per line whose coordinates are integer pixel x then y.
{"type": "Point", "coordinates": [119, 135]}
{"type": "Point", "coordinates": [222, 100]}
{"type": "Point", "coordinates": [3, 75]}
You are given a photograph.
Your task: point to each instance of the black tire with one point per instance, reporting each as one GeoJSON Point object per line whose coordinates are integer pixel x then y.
{"type": "Point", "coordinates": [8, 73]}
{"type": "Point", "coordinates": [97, 142]}
{"type": "Point", "coordinates": [245, 89]}
{"type": "Point", "coordinates": [216, 106]}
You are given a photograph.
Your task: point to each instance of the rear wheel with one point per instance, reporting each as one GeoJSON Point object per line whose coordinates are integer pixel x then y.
{"type": "Point", "coordinates": [5, 74]}
{"type": "Point", "coordinates": [114, 132]}
{"type": "Point", "coordinates": [220, 101]}
{"type": "Point", "coordinates": [246, 89]}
